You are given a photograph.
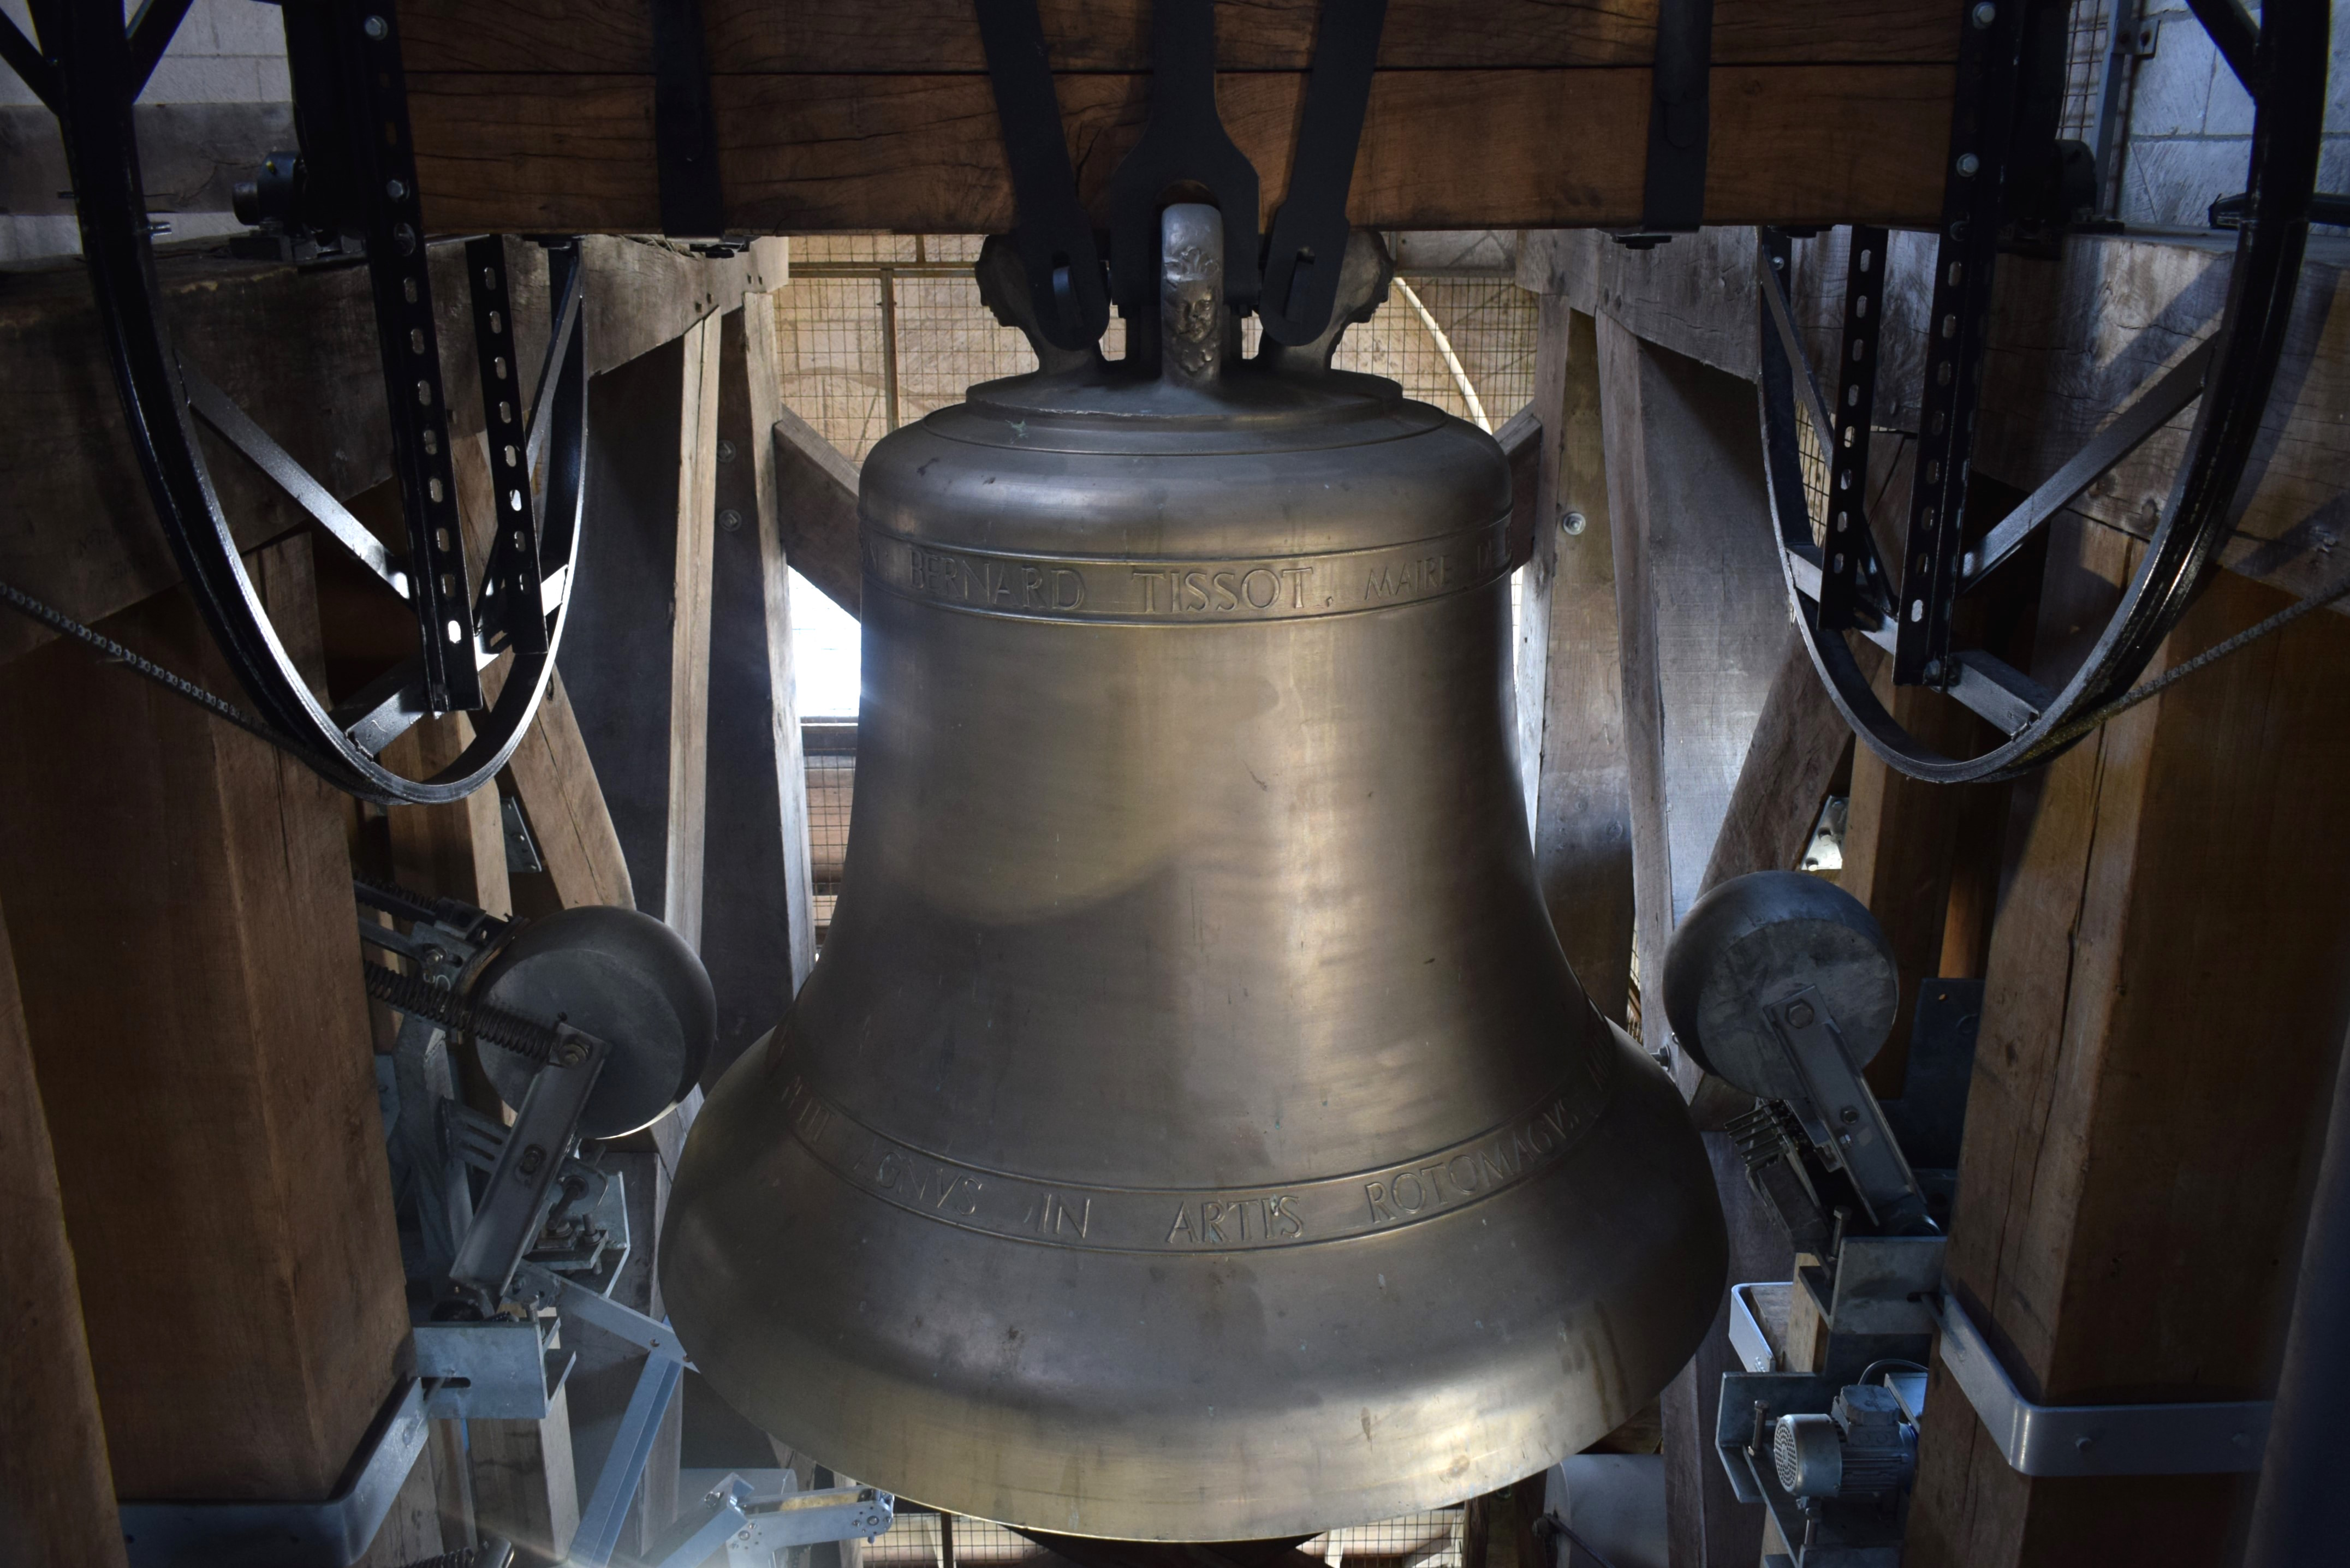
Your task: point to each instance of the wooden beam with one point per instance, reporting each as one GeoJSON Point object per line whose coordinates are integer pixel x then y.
{"type": "Point", "coordinates": [554, 778]}
{"type": "Point", "coordinates": [1800, 742]}
{"type": "Point", "coordinates": [524, 1486]}
{"type": "Point", "coordinates": [1571, 674]}
{"type": "Point", "coordinates": [688, 678]}
{"type": "Point", "coordinates": [191, 991]}
{"type": "Point", "coordinates": [2130, 1196]}
{"type": "Point", "coordinates": [755, 38]}
{"type": "Point", "coordinates": [815, 510]}
{"type": "Point", "coordinates": [1486, 148]}
{"type": "Point", "coordinates": [457, 850]}
{"type": "Point", "coordinates": [1702, 613]}
{"type": "Point", "coordinates": [758, 939]}
{"type": "Point", "coordinates": [56, 1493]}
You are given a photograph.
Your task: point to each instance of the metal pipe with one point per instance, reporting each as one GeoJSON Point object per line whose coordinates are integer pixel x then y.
{"type": "Point", "coordinates": [2301, 1513]}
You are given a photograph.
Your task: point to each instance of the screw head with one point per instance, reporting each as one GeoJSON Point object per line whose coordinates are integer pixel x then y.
{"type": "Point", "coordinates": [725, 451]}
{"type": "Point", "coordinates": [1801, 1015]}
{"type": "Point", "coordinates": [1933, 669]}
{"type": "Point", "coordinates": [1969, 163]}
{"type": "Point", "coordinates": [1851, 1115]}
{"type": "Point", "coordinates": [1984, 14]}
{"type": "Point", "coordinates": [395, 190]}
{"type": "Point", "coordinates": [376, 28]}
{"type": "Point", "coordinates": [730, 520]}
{"type": "Point", "coordinates": [1574, 522]}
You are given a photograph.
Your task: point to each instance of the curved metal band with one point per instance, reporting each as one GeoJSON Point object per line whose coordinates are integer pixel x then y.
{"type": "Point", "coordinates": [2291, 56]}
{"type": "Point", "coordinates": [1186, 591]}
{"type": "Point", "coordinates": [1206, 1219]}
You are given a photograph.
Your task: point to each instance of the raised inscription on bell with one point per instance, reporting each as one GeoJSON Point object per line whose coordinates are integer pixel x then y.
{"type": "Point", "coordinates": [1037, 589]}
{"type": "Point", "coordinates": [1210, 1220]}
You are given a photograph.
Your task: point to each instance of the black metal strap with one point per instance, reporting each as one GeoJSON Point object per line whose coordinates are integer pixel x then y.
{"type": "Point", "coordinates": [1672, 199]}
{"type": "Point", "coordinates": [685, 125]}
{"type": "Point", "coordinates": [1185, 140]}
{"type": "Point", "coordinates": [1054, 235]}
{"type": "Point", "coordinates": [1309, 232]}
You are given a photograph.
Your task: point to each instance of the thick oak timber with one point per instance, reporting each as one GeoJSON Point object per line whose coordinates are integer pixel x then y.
{"type": "Point", "coordinates": [1582, 790]}
{"type": "Point", "coordinates": [1703, 616]}
{"type": "Point", "coordinates": [815, 510]}
{"type": "Point", "coordinates": [762, 38]}
{"type": "Point", "coordinates": [192, 993]}
{"type": "Point", "coordinates": [1444, 148]}
{"type": "Point", "coordinates": [56, 1495]}
{"type": "Point", "coordinates": [840, 115]}
{"type": "Point", "coordinates": [758, 935]}
{"type": "Point", "coordinates": [2166, 1004]}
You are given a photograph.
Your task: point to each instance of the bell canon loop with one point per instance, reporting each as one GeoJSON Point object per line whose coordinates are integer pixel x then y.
{"type": "Point", "coordinates": [1192, 1130]}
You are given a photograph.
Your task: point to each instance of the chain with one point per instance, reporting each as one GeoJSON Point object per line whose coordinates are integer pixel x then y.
{"type": "Point", "coordinates": [2209, 656]}
{"type": "Point", "coordinates": [218, 707]}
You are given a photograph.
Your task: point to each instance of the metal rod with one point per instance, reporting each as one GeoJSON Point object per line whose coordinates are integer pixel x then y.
{"type": "Point", "coordinates": [889, 349]}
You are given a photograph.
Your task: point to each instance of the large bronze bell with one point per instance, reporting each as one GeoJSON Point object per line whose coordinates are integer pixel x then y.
{"type": "Point", "coordinates": [1192, 1130]}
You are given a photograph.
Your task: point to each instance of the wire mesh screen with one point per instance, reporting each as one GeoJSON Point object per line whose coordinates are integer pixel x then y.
{"type": "Point", "coordinates": [1430, 1540]}
{"type": "Point", "coordinates": [2084, 69]}
{"type": "Point", "coordinates": [876, 330]}
{"type": "Point", "coordinates": [830, 751]}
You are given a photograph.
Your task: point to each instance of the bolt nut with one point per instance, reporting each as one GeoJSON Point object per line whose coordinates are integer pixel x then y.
{"type": "Point", "coordinates": [1801, 1015]}
{"type": "Point", "coordinates": [730, 520]}
{"type": "Point", "coordinates": [395, 190]}
{"type": "Point", "coordinates": [1984, 14]}
{"type": "Point", "coordinates": [1574, 522]}
{"type": "Point", "coordinates": [376, 28]}
{"type": "Point", "coordinates": [1969, 163]}
{"type": "Point", "coordinates": [725, 451]}
{"type": "Point", "coordinates": [1851, 1115]}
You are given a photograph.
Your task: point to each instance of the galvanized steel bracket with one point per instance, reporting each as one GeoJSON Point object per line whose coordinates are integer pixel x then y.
{"type": "Point", "coordinates": [2175, 1439]}
{"type": "Point", "coordinates": [334, 1533]}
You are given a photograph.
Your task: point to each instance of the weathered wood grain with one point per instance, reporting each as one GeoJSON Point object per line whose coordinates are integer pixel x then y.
{"type": "Point", "coordinates": [1582, 804]}
{"type": "Point", "coordinates": [2129, 1207]}
{"type": "Point", "coordinates": [192, 993]}
{"type": "Point", "coordinates": [56, 1494]}
{"type": "Point", "coordinates": [785, 36]}
{"type": "Point", "coordinates": [1491, 147]}
{"type": "Point", "coordinates": [815, 510]}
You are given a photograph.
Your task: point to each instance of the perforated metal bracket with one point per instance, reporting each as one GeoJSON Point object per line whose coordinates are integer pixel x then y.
{"type": "Point", "coordinates": [2176, 1440]}
{"type": "Point", "coordinates": [336, 1532]}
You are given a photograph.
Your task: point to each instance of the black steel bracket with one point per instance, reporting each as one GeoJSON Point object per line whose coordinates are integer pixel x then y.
{"type": "Point", "coordinates": [1054, 237]}
{"type": "Point", "coordinates": [685, 125]}
{"type": "Point", "coordinates": [1672, 197]}
{"type": "Point", "coordinates": [1308, 246]}
{"type": "Point", "coordinates": [1184, 142]}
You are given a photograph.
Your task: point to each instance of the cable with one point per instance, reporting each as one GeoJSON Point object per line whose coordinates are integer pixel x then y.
{"type": "Point", "coordinates": [1552, 1521]}
{"type": "Point", "coordinates": [1870, 1370]}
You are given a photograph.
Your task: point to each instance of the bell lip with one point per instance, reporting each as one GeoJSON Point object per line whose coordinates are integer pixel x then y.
{"type": "Point", "coordinates": [1576, 1407]}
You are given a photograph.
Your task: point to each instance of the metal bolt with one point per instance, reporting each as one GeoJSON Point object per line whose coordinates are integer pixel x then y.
{"type": "Point", "coordinates": [1985, 14]}
{"type": "Point", "coordinates": [1851, 1115]}
{"type": "Point", "coordinates": [1969, 163]}
{"type": "Point", "coordinates": [725, 451]}
{"type": "Point", "coordinates": [1574, 523]}
{"type": "Point", "coordinates": [1933, 669]}
{"type": "Point", "coordinates": [376, 28]}
{"type": "Point", "coordinates": [395, 190]}
{"type": "Point", "coordinates": [1801, 1015]}
{"type": "Point", "coordinates": [730, 520]}
{"type": "Point", "coordinates": [2085, 1444]}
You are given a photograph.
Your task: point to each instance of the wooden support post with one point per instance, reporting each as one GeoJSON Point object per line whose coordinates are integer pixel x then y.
{"type": "Point", "coordinates": [525, 1488]}
{"type": "Point", "coordinates": [56, 1494]}
{"type": "Point", "coordinates": [1702, 615]}
{"type": "Point", "coordinates": [758, 939]}
{"type": "Point", "coordinates": [1570, 681]}
{"type": "Point", "coordinates": [2166, 1004]}
{"type": "Point", "coordinates": [192, 995]}
{"type": "Point", "coordinates": [688, 678]}
{"type": "Point", "coordinates": [457, 850]}
{"type": "Point", "coordinates": [815, 510]}
{"type": "Point", "coordinates": [554, 778]}
{"type": "Point", "coordinates": [637, 653]}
